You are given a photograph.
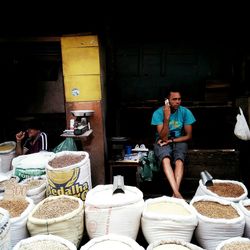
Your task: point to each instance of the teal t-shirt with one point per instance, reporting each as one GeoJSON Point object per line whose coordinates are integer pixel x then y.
{"type": "Point", "coordinates": [182, 116]}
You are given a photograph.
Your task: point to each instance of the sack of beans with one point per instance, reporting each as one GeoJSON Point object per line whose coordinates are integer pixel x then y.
{"type": "Point", "coordinates": [26, 166]}
{"type": "Point", "coordinates": [172, 244]}
{"type": "Point", "coordinates": [218, 220]}
{"type": "Point", "coordinates": [18, 211]}
{"type": "Point", "coordinates": [118, 213]}
{"type": "Point", "coordinates": [244, 206]}
{"type": "Point", "coordinates": [112, 241]}
{"type": "Point", "coordinates": [36, 188]}
{"type": "Point", "coordinates": [4, 229]}
{"type": "Point", "coordinates": [69, 173]}
{"type": "Point", "coordinates": [167, 217]}
{"type": "Point", "coordinates": [58, 215]}
{"type": "Point", "coordinates": [236, 243]}
{"type": "Point", "coordinates": [7, 153]}
{"type": "Point", "coordinates": [45, 242]}
{"type": "Point", "coordinates": [225, 189]}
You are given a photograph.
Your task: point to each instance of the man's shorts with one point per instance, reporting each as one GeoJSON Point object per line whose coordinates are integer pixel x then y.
{"type": "Point", "coordinates": [175, 151]}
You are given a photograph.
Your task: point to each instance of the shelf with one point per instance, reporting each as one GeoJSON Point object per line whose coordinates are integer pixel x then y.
{"type": "Point", "coordinates": [84, 135]}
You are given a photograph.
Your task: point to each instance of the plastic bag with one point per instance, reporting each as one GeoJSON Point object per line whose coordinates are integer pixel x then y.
{"type": "Point", "coordinates": [241, 129]}
{"type": "Point", "coordinates": [67, 145]}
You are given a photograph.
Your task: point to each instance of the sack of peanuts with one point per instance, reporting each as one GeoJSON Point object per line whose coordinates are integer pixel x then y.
{"type": "Point", "coordinates": [26, 166]}
{"type": "Point", "coordinates": [168, 217]}
{"type": "Point", "coordinates": [58, 215]}
{"type": "Point", "coordinates": [69, 173]}
{"type": "Point", "coordinates": [225, 189]}
{"type": "Point", "coordinates": [19, 211]}
{"type": "Point", "coordinates": [36, 188]}
{"type": "Point", "coordinates": [171, 244]}
{"type": "Point", "coordinates": [218, 220]}
{"type": "Point", "coordinates": [234, 243]}
{"type": "Point", "coordinates": [4, 229]}
{"type": "Point", "coordinates": [244, 206]}
{"type": "Point", "coordinates": [112, 241]}
{"type": "Point", "coordinates": [44, 242]}
{"type": "Point", "coordinates": [120, 213]}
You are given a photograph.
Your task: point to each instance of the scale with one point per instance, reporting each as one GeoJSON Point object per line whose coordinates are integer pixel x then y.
{"type": "Point", "coordinates": [81, 123]}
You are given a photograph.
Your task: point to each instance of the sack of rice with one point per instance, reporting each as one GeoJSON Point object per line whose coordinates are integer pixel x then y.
{"type": "Point", "coordinates": [218, 220]}
{"type": "Point", "coordinates": [26, 166]}
{"type": "Point", "coordinates": [172, 244]}
{"type": "Point", "coordinates": [36, 188]}
{"type": "Point", "coordinates": [19, 211]}
{"type": "Point", "coordinates": [4, 229]}
{"type": "Point", "coordinates": [7, 153]}
{"type": "Point", "coordinates": [58, 215]}
{"type": "Point", "coordinates": [225, 189]}
{"type": "Point", "coordinates": [244, 206]}
{"type": "Point", "coordinates": [44, 242]}
{"type": "Point", "coordinates": [118, 213]}
{"type": "Point", "coordinates": [69, 173]}
{"type": "Point", "coordinates": [236, 243]}
{"type": "Point", "coordinates": [112, 242]}
{"type": "Point", "coordinates": [167, 217]}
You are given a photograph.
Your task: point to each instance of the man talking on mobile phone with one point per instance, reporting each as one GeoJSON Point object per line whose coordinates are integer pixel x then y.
{"type": "Point", "coordinates": [174, 129]}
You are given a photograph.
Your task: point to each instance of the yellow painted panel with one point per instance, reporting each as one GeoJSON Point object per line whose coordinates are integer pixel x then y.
{"type": "Point", "coordinates": [78, 61]}
{"type": "Point", "coordinates": [82, 88]}
{"type": "Point", "coordinates": [79, 41]}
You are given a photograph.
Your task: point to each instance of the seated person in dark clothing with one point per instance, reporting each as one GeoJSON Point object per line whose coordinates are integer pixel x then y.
{"type": "Point", "coordinates": [36, 141]}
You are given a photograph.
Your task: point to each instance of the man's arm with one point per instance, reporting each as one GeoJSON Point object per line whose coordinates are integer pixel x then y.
{"type": "Point", "coordinates": [163, 129]}
{"type": "Point", "coordinates": [187, 136]}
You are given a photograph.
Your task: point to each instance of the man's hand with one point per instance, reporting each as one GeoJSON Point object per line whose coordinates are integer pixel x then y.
{"type": "Point", "coordinates": [167, 112]}
{"type": "Point", "coordinates": [163, 143]}
{"type": "Point", "coordinates": [20, 136]}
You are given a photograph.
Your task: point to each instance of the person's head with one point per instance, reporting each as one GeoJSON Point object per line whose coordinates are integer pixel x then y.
{"type": "Point", "coordinates": [33, 129]}
{"type": "Point", "coordinates": [174, 97]}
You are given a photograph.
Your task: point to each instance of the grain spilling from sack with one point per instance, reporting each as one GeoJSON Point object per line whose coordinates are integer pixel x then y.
{"type": "Point", "coordinates": [15, 207]}
{"type": "Point", "coordinates": [43, 244]}
{"type": "Point", "coordinates": [227, 189]}
{"type": "Point", "coordinates": [215, 210]}
{"type": "Point", "coordinates": [237, 246]}
{"type": "Point", "coordinates": [171, 247]}
{"type": "Point", "coordinates": [35, 183]}
{"type": "Point", "coordinates": [170, 208]}
{"type": "Point", "coordinates": [66, 160]}
{"type": "Point", "coordinates": [55, 208]}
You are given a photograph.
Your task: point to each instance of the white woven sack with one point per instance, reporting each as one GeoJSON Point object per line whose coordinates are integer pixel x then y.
{"type": "Point", "coordinates": [241, 129]}
{"type": "Point", "coordinates": [39, 197]}
{"type": "Point", "coordinates": [6, 156]}
{"type": "Point", "coordinates": [210, 232]}
{"type": "Point", "coordinates": [18, 229]}
{"type": "Point", "coordinates": [37, 190]}
{"type": "Point", "coordinates": [157, 226]}
{"type": "Point", "coordinates": [120, 213]}
{"type": "Point", "coordinates": [232, 240]}
{"type": "Point", "coordinates": [37, 238]}
{"type": "Point", "coordinates": [246, 213]}
{"type": "Point", "coordinates": [173, 241]}
{"type": "Point", "coordinates": [202, 190]}
{"type": "Point", "coordinates": [4, 230]}
{"type": "Point", "coordinates": [112, 242]}
{"type": "Point", "coordinates": [68, 226]}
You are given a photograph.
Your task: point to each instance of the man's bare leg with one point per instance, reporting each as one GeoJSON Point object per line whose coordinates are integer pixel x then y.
{"type": "Point", "coordinates": [178, 172]}
{"type": "Point", "coordinates": [171, 177]}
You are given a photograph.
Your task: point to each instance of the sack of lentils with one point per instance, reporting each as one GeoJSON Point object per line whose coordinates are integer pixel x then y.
{"type": "Point", "coordinates": [44, 242]}
{"type": "Point", "coordinates": [168, 217]}
{"type": "Point", "coordinates": [225, 189]}
{"type": "Point", "coordinates": [172, 244]}
{"type": "Point", "coordinates": [4, 229]}
{"type": "Point", "coordinates": [69, 173]}
{"type": "Point", "coordinates": [218, 220]}
{"type": "Point", "coordinates": [244, 206]}
{"type": "Point", "coordinates": [19, 211]}
{"type": "Point", "coordinates": [58, 215]}
{"type": "Point", "coordinates": [236, 243]}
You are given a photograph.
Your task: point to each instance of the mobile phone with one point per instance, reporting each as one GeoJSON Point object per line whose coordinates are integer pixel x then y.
{"type": "Point", "coordinates": [167, 102]}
